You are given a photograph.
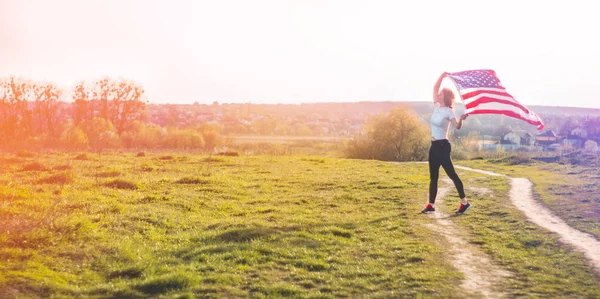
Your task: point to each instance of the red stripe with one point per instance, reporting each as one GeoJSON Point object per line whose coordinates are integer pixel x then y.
{"type": "Point", "coordinates": [538, 123]}
{"type": "Point", "coordinates": [484, 100]}
{"type": "Point", "coordinates": [478, 92]}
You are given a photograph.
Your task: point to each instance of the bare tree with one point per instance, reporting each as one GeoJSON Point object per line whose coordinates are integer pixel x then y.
{"type": "Point", "coordinates": [46, 100]}
{"type": "Point", "coordinates": [119, 101]}
{"type": "Point", "coordinates": [84, 107]}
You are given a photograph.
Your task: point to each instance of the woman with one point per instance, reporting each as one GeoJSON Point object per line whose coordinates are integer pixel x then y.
{"type": "Point", "coordinates": [439, 153]}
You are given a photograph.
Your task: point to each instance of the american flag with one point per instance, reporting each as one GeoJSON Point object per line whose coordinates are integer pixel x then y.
{"type": "Point", "coordinates": [483, 93]}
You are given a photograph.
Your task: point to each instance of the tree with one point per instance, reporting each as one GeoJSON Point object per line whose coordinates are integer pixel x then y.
{"type": "Point", "coordinates": [100, 133]}
{"type": "Point", "coordinates": [118, 100]}
{"type": "Point", "coordinates": [73, 138]}
{"type": "Point", "coordinates": [84, 108]}
{"type": "Point", "coordinates": [46, 100]}
{"type": "Point", "coordinates": [397, 136]}
{"type": "Point", "coordinates": [16, 117]}
{"type": "Point", "coordinates": [590, 146]}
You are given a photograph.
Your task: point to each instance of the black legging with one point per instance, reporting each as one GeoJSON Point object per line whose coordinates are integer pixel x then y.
{"type": "Point", "coordinates": [439, 154]}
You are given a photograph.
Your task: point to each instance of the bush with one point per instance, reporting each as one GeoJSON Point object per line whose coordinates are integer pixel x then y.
{"type": "Point", "coordinates": [109, 174]}
{"type": "Point", "coordinates": [520, 158]}
{"type": "Point", "coordinates": [590, 146]}
{"type": "Point", "coordinates": [192, 181]}
{"type": "Point", "coordinates": [182, 139]}
{"type": "Point", "coordinates": [35, 166]}
{"type": "Point", "coordinates": [60, 178]}
{"type": "Point", "coordinates": [62, 167]}
{"type": "Point", "coordinates": [140, 154]}
{"type": "Point", "coordinates": [397, 136]}
{"type": "Point", "coordinates": [142, 135]}
{"type": "Point", "coordinates": [229, 153]}
{"type": "Point", "coordinates": [83, 157]}
{"type": "Point", "coordinates": [212, 139]}
{"type": "Point", "coordinates": [25, 154]}
{"type": "Point", "coordinates": [74, 139]}
{"type": "Point", "coordinates": [121, 184]}
{"type": "Point", "coordinates": [459, 154]}
{"type": "Point", "coordinates": [100, 133]}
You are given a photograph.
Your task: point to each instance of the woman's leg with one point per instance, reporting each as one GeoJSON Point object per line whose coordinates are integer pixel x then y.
{"type": "Point", "coordinates": [446, 162]}
{"type": "Point", "coordinates": [434, 173]}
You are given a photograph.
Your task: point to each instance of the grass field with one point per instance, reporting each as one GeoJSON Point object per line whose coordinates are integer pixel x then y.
{"type": "Point", "coordinates": [188, 226]}
{"type": "Point", "coordinates": [569, 188]}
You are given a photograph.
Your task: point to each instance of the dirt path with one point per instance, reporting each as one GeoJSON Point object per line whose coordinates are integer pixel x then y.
{"type": "Point", "coordinates": [521, 194]}
{"type": "Point", "coordinates": [482, 277]}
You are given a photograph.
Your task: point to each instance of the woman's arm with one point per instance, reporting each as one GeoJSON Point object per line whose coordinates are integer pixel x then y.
{"type": "Point", "coordinates": [458, 124]}
{"type": "Point", "coordinates": [436, 86]}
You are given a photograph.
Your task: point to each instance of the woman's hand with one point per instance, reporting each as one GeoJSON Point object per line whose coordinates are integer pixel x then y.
{"type": "Point", "coordinates": [464, 116]}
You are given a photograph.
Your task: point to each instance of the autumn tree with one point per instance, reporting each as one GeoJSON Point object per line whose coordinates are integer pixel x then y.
{"type": "Point", "coordinates": [100, 133]}
{"type": "Point", "coordinates": [83, 106]}
{"type": "Point", "coordinates": [119, 101]}
{"type": "Point", "coordinates": [396, 136]}
{"type": "Point", "coordinates": [17, 118]}
{"type": "Point", "coordinates": [46, 102]}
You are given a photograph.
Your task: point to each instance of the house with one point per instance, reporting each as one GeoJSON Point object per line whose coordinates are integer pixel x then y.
{"type": "Point", "coordinates": [548, 140]}
{"type": "Point", "coordinates": [516, 139]}
{"type": "Point", "coordinates": [579, 132]}
{"type": "Point", "coordinates": [576, 137]}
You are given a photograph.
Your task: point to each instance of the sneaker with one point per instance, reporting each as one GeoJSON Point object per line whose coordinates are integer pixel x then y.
{"type": "Point", "coordinates": [463, 208]}
{"type": "Point", "coordinates": [428, 209]}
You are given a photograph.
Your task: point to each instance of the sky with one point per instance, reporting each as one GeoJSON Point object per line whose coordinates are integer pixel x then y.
{"type": "Point", "coordinates": [186, 51]}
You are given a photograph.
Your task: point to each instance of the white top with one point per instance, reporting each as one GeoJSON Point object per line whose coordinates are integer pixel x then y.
{"type": "Point", "coordinates": [440, 122]}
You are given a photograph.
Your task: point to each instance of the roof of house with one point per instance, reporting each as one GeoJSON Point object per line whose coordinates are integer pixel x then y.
{"type": "Point", "coordinates": [548, 133]}
{"type": "Point", "coordinates": [504, 141]}
{"type": "Point", "coordinates": [577, 137]}
{"type": "Point", "coordinates": [520, 133]}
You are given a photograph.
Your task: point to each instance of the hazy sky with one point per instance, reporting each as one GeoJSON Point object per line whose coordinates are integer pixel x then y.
{"type": "Point", "coordinates": [545, 52]}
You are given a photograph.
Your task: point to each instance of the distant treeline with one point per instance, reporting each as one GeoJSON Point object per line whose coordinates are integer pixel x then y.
{"type": "Point", "coordinates": [114, 113]}
{"type": "Point", "coordinates": [108, 113]}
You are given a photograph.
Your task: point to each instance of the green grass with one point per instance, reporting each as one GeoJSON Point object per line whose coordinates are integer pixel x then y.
{"type": "Point", "coordinates": [569, 188]}
{"type": "Point", "coordinates": [542, 266]}
{"type": "Point", "coordinates": [253, 226]}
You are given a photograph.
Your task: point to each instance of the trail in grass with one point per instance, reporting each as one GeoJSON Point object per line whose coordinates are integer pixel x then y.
{"type": "Point", "coordinates": [521, 194]}
{"type": "Point", "coordinates": [482, 277]}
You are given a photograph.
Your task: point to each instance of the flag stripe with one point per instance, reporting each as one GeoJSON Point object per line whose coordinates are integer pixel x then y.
{"type": "Point", "coordinates": [467, 90]}
{"type": "Point", "coordinates": [498, 106]}
{"type": "Point", "coordinates": [511, 114]}
{"type": "Point", "coordinates": [486, 99]}
{"type": "Point", "coordinates": [483, 93]}
{"type": "Point", "coordinates": [467, 95]}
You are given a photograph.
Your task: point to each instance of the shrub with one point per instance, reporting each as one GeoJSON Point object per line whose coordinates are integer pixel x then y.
{"type": "Point", "coordinates": [140, 154]}
{"type": "Point", "coordinates": [229, 153]}
{"type": "Point", "coordinates": [212, 159]}
{"type": "Point", "coordinates": [192, 180]}
{"type": "Point", "coordinates": [74, 139]}
{"type": "Point", "coordinates": [35, 166]}
{"type": "Point", "coordinates": [182, 139]}
{"type": "Point", "coordinates": [211, 138]}
{"type": "Point", "coordinates": [396, 136]}
{"type": "Point", "coordinates": [100, 133]}
{"type": "Point", "coordinates": [25, 154]}
{"type": "Point", "coordinates": [59, 178]}
{"type": "Point", "coordinates": [109, 174]}
{"type": "Point", "coordinates": [142, 135]}
{"type": "Point", "coordinates": [83, 157]}
{"type": "Point", "coordinates": [590, 146]}
{"type": "Point", "coordinates": [62, 167]}
{"type": "Point", "coordinates": [121, 184]}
